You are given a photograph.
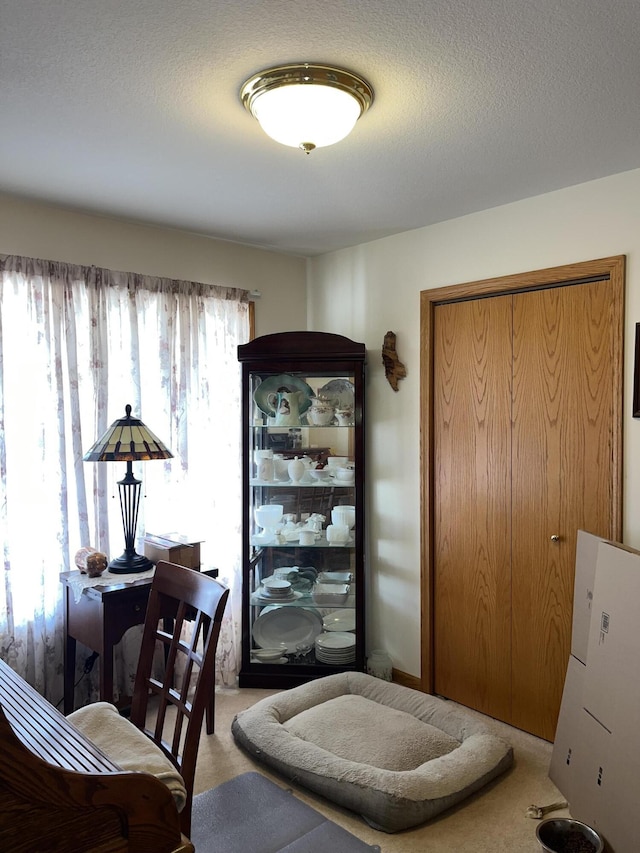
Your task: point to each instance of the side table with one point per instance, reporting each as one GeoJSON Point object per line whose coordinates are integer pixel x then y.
{"type": "Point", "coordinates": [99, 620]}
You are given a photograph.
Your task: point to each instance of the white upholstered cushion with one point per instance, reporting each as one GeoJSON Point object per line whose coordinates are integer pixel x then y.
{"type": "Point", "coordinates": [127, 746]}
{"type": "Point", "coordinates": [357, 729]}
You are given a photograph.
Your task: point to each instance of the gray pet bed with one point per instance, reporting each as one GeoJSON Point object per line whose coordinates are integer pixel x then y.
{"type": "Point", "coordinates": [396, 756]}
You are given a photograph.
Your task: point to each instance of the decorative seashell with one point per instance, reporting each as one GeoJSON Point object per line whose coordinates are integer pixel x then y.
{"type": "Point", "coordinates": [91, 562]}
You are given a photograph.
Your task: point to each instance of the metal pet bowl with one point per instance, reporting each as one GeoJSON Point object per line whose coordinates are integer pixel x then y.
{"type": "Point", "coordinates": [564, 835]}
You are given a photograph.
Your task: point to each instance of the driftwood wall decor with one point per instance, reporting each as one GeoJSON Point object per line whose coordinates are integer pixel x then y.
{"type": "Point", "coordinates": [394, 369]}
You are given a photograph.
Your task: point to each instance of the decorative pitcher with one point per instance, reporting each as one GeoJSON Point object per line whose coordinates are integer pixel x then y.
{"type": "Point", "coordinates": [286, 407]}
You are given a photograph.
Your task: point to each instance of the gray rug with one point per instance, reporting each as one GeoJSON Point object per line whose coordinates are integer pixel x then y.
{"type": "Point", "coordinates": [251, 814]}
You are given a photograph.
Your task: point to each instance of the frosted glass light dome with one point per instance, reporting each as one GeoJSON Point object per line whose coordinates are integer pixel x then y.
{"type": "Point", "coordinates": [306, 106]}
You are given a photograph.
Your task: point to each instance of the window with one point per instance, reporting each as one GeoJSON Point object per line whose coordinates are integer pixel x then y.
{"type": "Point", "coordinates": [76, 345]}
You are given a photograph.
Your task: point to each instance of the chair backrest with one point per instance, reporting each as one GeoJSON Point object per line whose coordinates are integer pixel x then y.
{"type": "Point", "coordinates": [184, 615]}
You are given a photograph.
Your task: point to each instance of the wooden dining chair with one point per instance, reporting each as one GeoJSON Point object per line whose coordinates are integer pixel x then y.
{"type": "Point", "coordinates": [184, 616]}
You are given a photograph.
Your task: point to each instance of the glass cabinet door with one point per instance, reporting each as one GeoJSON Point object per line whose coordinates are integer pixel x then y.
{"type": "Point", "coordinates": [303, 551]}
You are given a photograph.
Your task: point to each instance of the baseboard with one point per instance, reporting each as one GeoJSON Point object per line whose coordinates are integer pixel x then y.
{"type": "Point", "coordinates": [406, 680]}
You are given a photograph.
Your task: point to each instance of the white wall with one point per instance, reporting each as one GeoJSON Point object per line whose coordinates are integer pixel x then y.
{"type": "Point", "coordinates": [362, 293]}
{"type": "Point", "coordinates": [53, 233]}
{"type": "Point", "coordinates": [370, 289]}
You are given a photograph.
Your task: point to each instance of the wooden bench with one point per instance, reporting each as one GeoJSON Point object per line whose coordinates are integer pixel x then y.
{"type": "Point", "coordinates": [59, 792]}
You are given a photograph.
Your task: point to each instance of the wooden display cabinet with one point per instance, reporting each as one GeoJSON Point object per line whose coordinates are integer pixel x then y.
{"type": "Point", "coordinates": [302, 396]}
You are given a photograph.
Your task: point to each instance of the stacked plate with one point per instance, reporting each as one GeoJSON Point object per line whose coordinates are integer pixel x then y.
{"type": "Point", "coordinates": [276, 590]}
{"type": "Point", "coordinates": [337, 648]}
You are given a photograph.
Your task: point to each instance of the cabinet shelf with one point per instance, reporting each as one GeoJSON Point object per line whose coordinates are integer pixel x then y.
{"type": "Point", "coordinates": [311, 484]}
{"type": "Point", "coordinates": [272, 429]}
{"type": "Point", "coordinates": [306, 601]}
{"type": "Point", "coordinates": [294, 543]}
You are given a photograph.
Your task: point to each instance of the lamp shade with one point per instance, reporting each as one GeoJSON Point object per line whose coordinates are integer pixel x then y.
{"type": "Point", "coordinates": [127, 440]}
{"type": "Point", "coordinates": [306, 106]}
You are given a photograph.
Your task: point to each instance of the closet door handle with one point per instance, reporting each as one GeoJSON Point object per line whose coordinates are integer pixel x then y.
{"type": "Point", "coordinates": [555, 538]}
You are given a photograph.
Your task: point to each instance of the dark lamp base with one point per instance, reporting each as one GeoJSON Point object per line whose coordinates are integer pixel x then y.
{"type": "Point", "coordinates": [129, 563]}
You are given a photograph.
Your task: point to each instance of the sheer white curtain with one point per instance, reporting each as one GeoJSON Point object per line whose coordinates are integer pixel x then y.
{"type": "Point", "coordinates": [76, 345]}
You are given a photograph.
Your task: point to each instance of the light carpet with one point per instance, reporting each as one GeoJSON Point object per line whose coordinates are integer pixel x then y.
{"type": "Point", "coordinates": [492, 821]}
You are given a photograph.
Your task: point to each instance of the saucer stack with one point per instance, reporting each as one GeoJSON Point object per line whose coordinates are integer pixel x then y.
{"type": "Point", "coordinates": [337, 648]}
{"type": "Point", "coordinates": [276, 590]}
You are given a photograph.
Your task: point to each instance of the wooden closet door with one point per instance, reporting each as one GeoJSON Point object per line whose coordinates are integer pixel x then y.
{"type": "Point", "coordinates": [564, 398]}
{"type": "Point", "coordinates": [472, 501]}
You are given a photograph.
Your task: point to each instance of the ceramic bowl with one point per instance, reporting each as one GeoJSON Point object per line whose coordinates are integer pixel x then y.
{"type": "Point", "coordinates": [322, 474]}
{"type": "Point", "coordinates": [335, 577]}
{"type": "Point", "coordinates": [345, 475]}
{"type": "Point", "coordinates": [555, 834]}
{"type": "Point", "coordinates": [267, 654]}
{"type": "Point", "coordinates": [277, 585]}
{"type": "Point", "coordinates": [330, 595]}
{"type": "Point", "coordinates": [269, 515]}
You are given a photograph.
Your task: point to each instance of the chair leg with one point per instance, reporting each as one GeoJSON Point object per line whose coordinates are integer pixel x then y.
{"type": "Point", "coordinates": [185, 816]}
{"type": "Point", "coordinates": [209, 713]}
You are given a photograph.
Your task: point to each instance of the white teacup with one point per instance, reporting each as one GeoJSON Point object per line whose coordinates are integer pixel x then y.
{"type": "Point", "coordinates": [320, 414]}
{"type": "Point", "coordinates": [344, 417]}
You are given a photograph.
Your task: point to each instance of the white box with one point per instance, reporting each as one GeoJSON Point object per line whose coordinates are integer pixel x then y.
{"type": "Point", "coordinates": [587, 546]}
{"type": "Point", "coordinates": [612, 686]}
{"type": "Point", "coordinates": [594, 782]}
{"type": "Point", "coordinates": [605, 786]}
{"type": "Point", "coordinates": [569, 737]}
{"type": "Point", "coordinates": [595, 761]}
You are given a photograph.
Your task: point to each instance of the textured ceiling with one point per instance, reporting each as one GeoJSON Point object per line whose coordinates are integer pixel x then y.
{"type": "Point", "coordinates": [131, 109]}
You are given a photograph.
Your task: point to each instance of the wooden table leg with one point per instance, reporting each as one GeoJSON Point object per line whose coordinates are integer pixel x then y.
{"type": "Point", "coordinates": [69, 673]}
{"type": "Point", "coordinates": [106, 659]}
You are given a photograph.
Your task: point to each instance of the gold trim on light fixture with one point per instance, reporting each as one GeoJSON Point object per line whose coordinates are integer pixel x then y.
{"type": "Point", "coordinates": [292, 80]}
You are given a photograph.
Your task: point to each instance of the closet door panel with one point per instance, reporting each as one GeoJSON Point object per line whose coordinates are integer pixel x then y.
{"type": "Point", "coordinates": [563, 412]}
{"type": "Point", "coordinates": [472, 459]}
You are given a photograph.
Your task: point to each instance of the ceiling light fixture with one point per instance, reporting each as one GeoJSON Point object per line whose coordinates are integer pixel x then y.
{"type": "Point", "coordinates": [306, 106]}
